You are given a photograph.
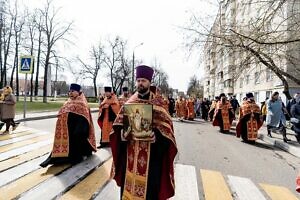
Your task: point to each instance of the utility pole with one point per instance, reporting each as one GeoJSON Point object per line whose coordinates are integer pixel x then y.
{"type": "Point", "coordinates": [132, 78]}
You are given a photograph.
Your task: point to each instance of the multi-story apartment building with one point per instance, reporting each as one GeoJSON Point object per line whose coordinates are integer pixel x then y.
{"type": "Point", "coordinates": [232, 71]}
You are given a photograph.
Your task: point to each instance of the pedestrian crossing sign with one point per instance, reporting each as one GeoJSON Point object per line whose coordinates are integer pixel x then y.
{"type": "Point", "coordinates": [26, 64]}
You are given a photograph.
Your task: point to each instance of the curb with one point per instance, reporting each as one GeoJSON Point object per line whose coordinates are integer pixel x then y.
{"type": "Point", "coordinates": [45, 117]}
{"type": "Point", "coordinates": [281, 145]}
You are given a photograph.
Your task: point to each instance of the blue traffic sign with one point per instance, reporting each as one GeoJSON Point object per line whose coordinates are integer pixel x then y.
{"type": "Point", "coordinates": [26, 64]}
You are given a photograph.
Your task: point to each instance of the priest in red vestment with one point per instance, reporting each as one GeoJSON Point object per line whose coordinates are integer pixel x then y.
{"type": "Point", "coordinates": [143, 164]}
{"type": "Point", "coordinates": [224, 115]}
{"type": "Point", "coordinates": [74, 136]}
{"type": "Point", "coordinates": [249, 120]}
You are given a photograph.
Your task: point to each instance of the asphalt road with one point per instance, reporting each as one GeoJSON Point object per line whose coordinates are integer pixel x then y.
{"type": "Point", "coordinates": [201, 145]}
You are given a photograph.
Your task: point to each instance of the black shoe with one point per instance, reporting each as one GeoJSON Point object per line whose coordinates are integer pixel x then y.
{"type": "Point", "coordinates": [285, 139]}
{"type": "Point", "coordinates": [44, 164]}
{"type": "Point", "coordinates": [269, 134]}
{"type": "Point", "coordinates": [298, 138]}
{"type": "Point", "coordinates": [1, 125]}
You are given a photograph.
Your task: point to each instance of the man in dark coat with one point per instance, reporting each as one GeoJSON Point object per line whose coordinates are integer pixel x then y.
{"type": "Point", "coordinates": [171, 105]}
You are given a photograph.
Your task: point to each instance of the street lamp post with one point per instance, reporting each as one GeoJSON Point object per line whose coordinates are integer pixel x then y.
{"type": "Point", "coordinates": [132, 78]}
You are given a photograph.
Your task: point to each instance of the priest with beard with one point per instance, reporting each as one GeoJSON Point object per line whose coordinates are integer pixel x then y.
{"type": "Point", "coordinates": [74, 134]}
{"type": "Point", "coordinates": [145, 163]}
{"type": "Point", "coordinates": [249, 120]}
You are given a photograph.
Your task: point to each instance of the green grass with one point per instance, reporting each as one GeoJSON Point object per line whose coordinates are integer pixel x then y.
{"type": "Point", "coordinates": [38, 106]}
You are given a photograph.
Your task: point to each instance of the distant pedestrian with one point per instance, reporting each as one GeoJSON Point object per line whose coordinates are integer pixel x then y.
{"type": "Point", "coordinates": [263, 110]}
{"type": "Point", "coordinates": [234, 103]}
{"type": "Point", "coordinates": [295, 118]}
{"type": "Point", "coordinates": [181, 109]}
{"type": "Point", "coordinates": [205, 109]}
{"type": "Point", "coordinates": [1, 105]}
{"type": "Point", "coordinates": [171, 105]}
{"type": "Point", "coordinates": [212, 109]}
{"type": "Point", "coordinates": [124, 97]}
{"type": "Point", "coordinates": [8, 110]}
{"type": "Point", "coordinates": [190, 108]}
{"type": "Point", "coordinates": [291, 102]}
{"type": "Point", "coordinates": [197, 107]}
{"type": "Point", "coordinates": [275, 116]}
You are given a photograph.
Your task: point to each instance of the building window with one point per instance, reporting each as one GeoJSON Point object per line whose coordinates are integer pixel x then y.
{"type": "Point", "coordinates": [228, 83]}
{"type": "Point", "coordinates": [269, 75]}
{"type": "Point", "coordinates": [247, 79]}
{"type": "Point", "coordinates": [256, 78]}
{"type": "Point", "coordinates": [220, 75]}
{"type": "Point", "coordinates": [208, 82]}
{"type": "Point", "coordinates": [241, 82]}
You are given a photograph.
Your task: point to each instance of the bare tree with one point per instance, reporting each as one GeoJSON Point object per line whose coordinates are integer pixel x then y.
{"type": "Point", "coordinates": [122, 72]}
{"type": "Point", "coordinates": [113, 58]}
{"type": "Point", "coordinates": [31, 27]}
{"type": "Point", "coordinates": [160, 78]}
{"type": "Point", "coordinates": [75, 72]}
{"type": "Point", "coordinates": [92, 71]}
{"type": "Point", "coordinates": [266, 39]}
{"type": "Point", "coordinates": [18, 24]}
{"type": "Point", "coordinates": [54, 31]}
{"type": "Point", "coordinates": [195, 88]}
{"type": "Point", "coordinates": [39, 25]}
{"type": "Point", "coordinates": [6, 33]}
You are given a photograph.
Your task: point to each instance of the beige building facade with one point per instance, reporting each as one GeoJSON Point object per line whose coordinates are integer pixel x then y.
{"type": "Point", "coordinates": [233, 72]}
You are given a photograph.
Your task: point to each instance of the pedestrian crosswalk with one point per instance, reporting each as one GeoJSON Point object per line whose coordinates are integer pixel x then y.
{"type": "Point", "coordinates": [21, 177]}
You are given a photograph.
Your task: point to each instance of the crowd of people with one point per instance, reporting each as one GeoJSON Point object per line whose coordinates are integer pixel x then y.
{"type": "Point", "coordinates": [146, 161]}
{"type": "Point", "coordinates": [222, 111]}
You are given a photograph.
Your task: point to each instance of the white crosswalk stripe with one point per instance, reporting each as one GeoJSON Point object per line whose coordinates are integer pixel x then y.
{"type": "Point", "coordinates": [185, 182]}
{"type": "Point", "coordinates": [20, 170]}
{"type": "Point", "coordinates": [21, 150]}
{"type": "Point", "coordinates": [244, 188]}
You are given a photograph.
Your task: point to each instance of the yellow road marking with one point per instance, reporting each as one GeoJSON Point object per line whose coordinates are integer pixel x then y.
{"type": "Point", "coordinates": [24, 143]}
{"type": "Point", "coordinates": [278, 193]}
{"type": "Point", "coordinates": [88, 186]}
{"type": "Point", "coordinates": [214, 186]}
{"type": "Point", "coordinates": [24, 157]}
{"type": "Point", "coordinates": [23, 184]}
{"type": "Point", "coordinates": [14, 135]}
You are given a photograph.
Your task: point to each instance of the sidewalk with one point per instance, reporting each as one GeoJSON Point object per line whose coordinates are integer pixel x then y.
{"type": "Point", "coordinates": [292, 147]}
{"type": "Point", "coordinates": [41, 115]}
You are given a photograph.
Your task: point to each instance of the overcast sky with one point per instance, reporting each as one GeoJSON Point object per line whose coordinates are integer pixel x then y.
{"type": "Point", "coordinates": [155, 23]}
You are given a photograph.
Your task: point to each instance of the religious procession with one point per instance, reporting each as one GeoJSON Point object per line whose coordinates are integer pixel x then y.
{"type": "Point", "coordinates": [249, 115]}
{"type": "Point", "coordinates": [137, 131]}
{"type": "Point", "coordinates": [136, 127]}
